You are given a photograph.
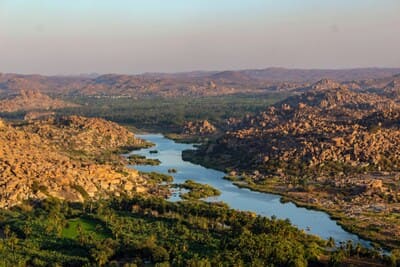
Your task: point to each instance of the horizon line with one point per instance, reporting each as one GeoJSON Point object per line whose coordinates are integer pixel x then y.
{"type": "Point", "coordinates": [197, 70]}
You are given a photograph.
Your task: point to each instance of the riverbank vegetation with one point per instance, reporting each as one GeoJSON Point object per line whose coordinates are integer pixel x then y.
{"type": "Point", "coordinates": [379, 236]}
{"type": "Point", "coordinates": [157, 178]}
{"type": "Point", "coordinates": [142, 160]}
{"type": "Point", "coordinates": [197, 191]}
{"type": "Point", "coordinates": [148, 230]}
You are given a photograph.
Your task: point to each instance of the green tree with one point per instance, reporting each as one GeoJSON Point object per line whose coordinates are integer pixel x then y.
{"type": "Point", "coordinates": [337, 257]}
{"type": "Point", "coordinates": [395, 257]}
{"type": "Point", "coordinates": [159, 254]}
{"type": "Point", "coordinates": [103, 251]}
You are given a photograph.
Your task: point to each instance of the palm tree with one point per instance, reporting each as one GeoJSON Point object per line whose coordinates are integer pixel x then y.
{"type": "Point", "coordinates": [358, 249]}
{"type": "Point", "coordinates": [7, 231]}
{"type": "Point", "coordinates": [12, 242]}
{"type": "Point", "coordinates": [103, 251]}
{"type": "Point", "coordinates": [27, 230]}
{"type": "Point", "coordinates": [331, 242]}
{"type": "Point", "coordinates": [349, 247]}
{"type": "Point", "coordinates": [99, 255]}
{"type": "Point", "coordinates": [313, 251]}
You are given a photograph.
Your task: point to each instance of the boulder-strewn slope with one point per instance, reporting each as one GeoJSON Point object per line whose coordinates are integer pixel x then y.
{"type": "Point", "coordinates": [331, 148]}
{"type": "Point", "coordinates": [329, 123]}
{"type": "Point", "coordinates": [203, 127]}
{"type": "Point", "coordinates": [89, 136]}
{"type": "Point", "coordinates": [59, 158]}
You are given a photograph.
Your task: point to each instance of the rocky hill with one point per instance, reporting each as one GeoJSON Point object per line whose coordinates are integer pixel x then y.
{"type": "Point", "coordinates": [32, 100]}
{"type": "Point", "coordinates": [11, 83]}
{"type": "Point", "coordinates": [149, 86]}
{"type": "Point", "coordinates": [91, 136]}
{"type": "Point", "coordinates": [61, 158]}
{"type": "Point", "coordinates": [326, 148]}
{"type": "Point", "coordinates": [327, 123]}
{"type": "Point", "coordinates": [201, 83]}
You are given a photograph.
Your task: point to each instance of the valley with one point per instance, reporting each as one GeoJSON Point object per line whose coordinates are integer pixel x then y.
{"type": "Point", "coordinates": [326, 145]}
{"type": "Point", "coordinates": [199, 133]}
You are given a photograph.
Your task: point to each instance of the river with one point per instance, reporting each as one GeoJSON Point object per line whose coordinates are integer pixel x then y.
{"type": "Point", "coordinates": [170, 154]}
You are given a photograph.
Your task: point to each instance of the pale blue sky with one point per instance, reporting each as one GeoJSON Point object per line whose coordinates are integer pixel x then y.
{"type": "Point", "coordinates": [134, 36]}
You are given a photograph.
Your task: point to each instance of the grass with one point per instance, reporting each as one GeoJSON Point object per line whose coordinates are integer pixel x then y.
{"type": "Point", "coordinates": [88, 225]}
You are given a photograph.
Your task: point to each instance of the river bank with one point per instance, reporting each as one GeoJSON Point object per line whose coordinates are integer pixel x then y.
{"type": "Point", "coordinates": [342, 212]}
{"type": "Point", "coordinates": [347, 224]}
{"type": "Point", "coordinates": [312, 221]}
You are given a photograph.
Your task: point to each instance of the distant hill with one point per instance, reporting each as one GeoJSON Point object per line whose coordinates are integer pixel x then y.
{"type": "Point", "coordinates": [32, 100]}
{"type": "Point", "coordinates": [237, 76]}
{"type": "Point", "coordinates": [11, 83]}
{"type": "Point", "coordinates": [196, 83]}
{"type": "Point", "coordinates": [274, 74]}
{"type": "Point", "coordinates": [313, 75]}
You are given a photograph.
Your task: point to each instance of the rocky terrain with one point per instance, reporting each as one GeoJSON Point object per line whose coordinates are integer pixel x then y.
{"type": "Point", "coordinates": [11, 83]}
{"type": "Point", "coordinates": [327, 123]}
{"type": "Point", "coordinates": [88, 136]}
{"type": "Point", "coordinates": [330, 147]}
{"type": "Point", "coordinates": [198, 128]}
{"type": "Point", "coordinates": [199, 83]}
{"type": "Point", "coordinates": [70, 158]}
{"type": "Point", "coordinates": [32, 100]}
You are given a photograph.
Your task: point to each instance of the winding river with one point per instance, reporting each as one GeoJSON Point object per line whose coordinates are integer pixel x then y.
{"type": "Point", "coordinates": [170, 154]}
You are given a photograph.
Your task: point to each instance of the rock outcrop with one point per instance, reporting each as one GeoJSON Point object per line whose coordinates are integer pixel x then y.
{"type": "Point", "coordinates": [59, 158]}
{"type": "Point", "coordinates": [203, 127]}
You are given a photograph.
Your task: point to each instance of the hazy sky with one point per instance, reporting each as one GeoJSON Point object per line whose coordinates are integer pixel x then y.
{"type": "Point", "coordinates": [134, 36]}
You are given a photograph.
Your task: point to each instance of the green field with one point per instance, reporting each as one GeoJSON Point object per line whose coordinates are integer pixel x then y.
{"type": "Point", "coordinates": [86, 226]}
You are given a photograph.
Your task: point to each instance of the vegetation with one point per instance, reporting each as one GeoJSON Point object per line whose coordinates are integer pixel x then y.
{"type": "Point", "coordinates": [77, 226]}
{"type": "Point", "coordinates": [155, 177]}
{"type": "Point", "coordinates": [197, 190]}
{"type": "Point", "coordinates": [125, 232]}
{"type": "Point", "coordinates": [142, 160]}
{"type": "Point", "coordinates": [127, 149]}
{"type": "Point", "coordinates": [141, 113]}
{"type": "Point", "coordinates": [299, 187]}
{"type": "Point", "coordinates": [139, 230]}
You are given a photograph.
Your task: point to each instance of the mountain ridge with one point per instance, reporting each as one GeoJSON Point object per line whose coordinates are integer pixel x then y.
{"type": "Point", "coordinates": [194, 83]}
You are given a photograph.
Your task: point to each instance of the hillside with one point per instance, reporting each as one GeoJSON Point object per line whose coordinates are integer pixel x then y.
{"type": "Point", "coordinates": [69, 158]}
{"type": "Point", "coordinates": [32, 100]}
{"type": "Point", "coordinates": [330, 147]}
{"type": "Point", "coordinates": [10, 83]}
{"type": "Point", "coordinates": [313, 123]}
{"type": "Point", "coordinates": [200, 83]}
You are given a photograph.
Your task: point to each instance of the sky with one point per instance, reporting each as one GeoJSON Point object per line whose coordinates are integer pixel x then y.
{"type": "Point", "coordinates": [135, 36]}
